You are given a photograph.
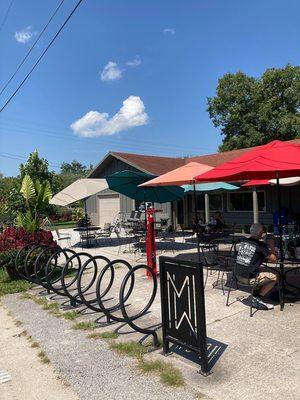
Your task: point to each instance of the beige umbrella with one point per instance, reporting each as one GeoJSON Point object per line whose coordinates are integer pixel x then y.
{"type": "Point", "coordinates": [295, 180]}
{"type": "Point", "coordinates": [78, 190]}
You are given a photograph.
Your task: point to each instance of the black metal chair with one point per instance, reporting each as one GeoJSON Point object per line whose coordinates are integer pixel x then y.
{"type": "Point", "coordinates": [215, 262]}
{"type": "Point", "coordinates": [245, 282]}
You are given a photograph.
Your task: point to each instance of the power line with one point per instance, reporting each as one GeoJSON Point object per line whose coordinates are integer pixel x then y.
{"type": "Point", "coordinates": [42, 55]}
{"type": "Point", "coordinates": [6, 15]}
{"type": "Point", "coordinates": [32, 47]}
{"type": "Point", "coordinates": [21, 158]}
{"type": "Point", "coordinates": [60, 132]}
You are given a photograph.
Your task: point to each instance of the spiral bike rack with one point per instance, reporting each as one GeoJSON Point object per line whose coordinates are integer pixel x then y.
{"type": "Point", "coordinates": [122, 299]}
{"type": "Point", "coordinates": [67, 287]}
{"type": "Point", "coordinates": [33, 252]}
{"type": "Point", "coordinates": [39, 266]}
{"type": "Point", "coordinates": [20, 267]}
{"type": "Point", "coordinates": [49, 267]}
{"type": "Point", "coordinates": [82, 291]}
{"type": "Point", "coordinates": [109, 310]}
{"type": "Point", "coordinates": [53, 270]}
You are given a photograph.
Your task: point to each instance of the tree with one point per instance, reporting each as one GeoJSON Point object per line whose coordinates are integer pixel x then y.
{"type": "Point", "coordinates": [253, 111]}
{"type": "Point", "coordinates": [38, 170]}
{"type": "Point", "coordinates": [70, 172]}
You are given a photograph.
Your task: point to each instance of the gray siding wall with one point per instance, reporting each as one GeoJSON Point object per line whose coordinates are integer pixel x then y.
{"type": "Point", "coordinates": [126, 204]}
{"type": "Point", "coordinates": [92, 209]}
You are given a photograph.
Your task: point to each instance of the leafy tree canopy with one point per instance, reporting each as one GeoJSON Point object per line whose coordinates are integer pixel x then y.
{"type": "Point", "coordinates": [70, 172]}
{"type": "Point", "coordinates": [253, 111]}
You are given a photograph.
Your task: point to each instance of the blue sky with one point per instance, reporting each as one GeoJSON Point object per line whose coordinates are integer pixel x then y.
{"type": "Point", "coordinates": [162, 58]}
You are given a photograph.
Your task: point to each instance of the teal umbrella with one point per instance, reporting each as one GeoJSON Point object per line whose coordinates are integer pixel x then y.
{"type": "Point", "coordinates": [127, 183]}
{"type": "Point", "coordinates": [209, 187]}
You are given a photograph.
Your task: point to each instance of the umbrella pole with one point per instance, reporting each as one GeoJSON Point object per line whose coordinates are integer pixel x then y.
{"type": "Point", "coordinates": [196, 222]}
{"type": "Point", "coordinates": [281, 256]}
{"type": "Point", "coordinates": [86, 223]}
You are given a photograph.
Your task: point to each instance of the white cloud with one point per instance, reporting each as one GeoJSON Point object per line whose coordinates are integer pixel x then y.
{"type": "Point", "coordinates": [111, 72]}
{"type": "Point", "coordinates": [24, 35]}
{"type": "Point", "coordinates": [169, 31]}
{"type": "Point", "coordinates": [94, 123]}
{"type": "Point", "coordinates": [134, 62]}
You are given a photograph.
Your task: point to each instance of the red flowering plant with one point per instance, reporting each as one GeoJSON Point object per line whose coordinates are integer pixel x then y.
{"type": "Point", "coordinates": [13, 239]}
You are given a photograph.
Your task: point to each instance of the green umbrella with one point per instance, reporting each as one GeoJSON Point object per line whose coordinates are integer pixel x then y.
{"type": "Point", "coordinates": [127, 183]}
{"type": "Point", "coordinates": [209, 187]}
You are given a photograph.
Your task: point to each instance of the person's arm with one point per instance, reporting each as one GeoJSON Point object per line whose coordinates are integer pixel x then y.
{"type": "Point", "coordinates": [269, 254]}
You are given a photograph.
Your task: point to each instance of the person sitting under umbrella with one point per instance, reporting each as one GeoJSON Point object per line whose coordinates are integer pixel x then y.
{"type": "Point", "coordinates": [251, 254]}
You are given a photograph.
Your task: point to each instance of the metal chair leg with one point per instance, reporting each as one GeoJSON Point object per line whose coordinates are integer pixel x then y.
{"type": "Point", "coordinates": [229, 290]}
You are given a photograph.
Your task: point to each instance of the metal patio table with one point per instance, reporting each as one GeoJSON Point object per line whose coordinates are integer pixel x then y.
{"type": "Point", "coordinates": [87, 230]}
{"type": "Point", "coordinates": [290, 265]}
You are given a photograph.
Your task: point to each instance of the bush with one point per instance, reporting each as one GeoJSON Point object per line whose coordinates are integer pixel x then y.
{"type": "Point", "coordinates": [13, 239]}
{"type": "Point", "coordinates": [7, 261]}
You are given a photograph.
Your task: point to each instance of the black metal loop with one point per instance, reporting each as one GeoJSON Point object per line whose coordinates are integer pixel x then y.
{"type": "Point", "coordinates": [40, 265]}
{"type": "Point", "coordinates": [82, 292]}
{"type": "Point", "coordinates": [53, 275]}
{"type": "Point", "coordinates": [122, 299]}
{"type": "Point", "coordinates": [29, 275]}
{"type": "Point", "coordinates": [19, 264]}
{"type": "Point", "coordinates": [108, 310]}
{"type": "Point", "coordinates": [67, 286]}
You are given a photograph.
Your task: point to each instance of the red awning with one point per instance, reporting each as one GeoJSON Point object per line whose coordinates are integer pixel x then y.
{"type": "Point", "coordinates": [263, 162]}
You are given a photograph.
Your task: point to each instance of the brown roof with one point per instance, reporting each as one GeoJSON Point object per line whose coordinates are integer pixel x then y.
{"type": "Point", "coordinates": [153, 164]}
{"type": "Point", "coordinates": [160, 165]}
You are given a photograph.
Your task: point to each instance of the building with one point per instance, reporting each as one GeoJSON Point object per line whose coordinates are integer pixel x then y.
{"type": "Point", "coordinates": [236, 206]}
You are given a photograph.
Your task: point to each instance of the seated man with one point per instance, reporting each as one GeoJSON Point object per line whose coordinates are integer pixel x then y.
{"type": "Point", "coordinates": [252, 253]}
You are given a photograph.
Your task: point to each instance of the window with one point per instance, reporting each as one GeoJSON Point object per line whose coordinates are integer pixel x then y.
{"type": "Point", "coordinates": [215, 202]}
{"type": "Point", "coordinates": [243, 201]}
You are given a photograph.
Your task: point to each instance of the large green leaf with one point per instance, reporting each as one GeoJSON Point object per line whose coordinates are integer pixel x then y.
{"type": "Point", "coordinates": [44, 195]}
{"type": "Point", "coordinates": [27, 188]}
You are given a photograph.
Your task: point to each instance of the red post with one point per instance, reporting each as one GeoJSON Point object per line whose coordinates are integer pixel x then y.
{"type": "Point", "coordinates": [150, 241]}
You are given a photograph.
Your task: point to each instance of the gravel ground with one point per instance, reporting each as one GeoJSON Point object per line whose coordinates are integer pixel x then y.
{"type": "Point", "coordinates": [19, 360]}
{"type": "Point", "coordinates": [90, 367]}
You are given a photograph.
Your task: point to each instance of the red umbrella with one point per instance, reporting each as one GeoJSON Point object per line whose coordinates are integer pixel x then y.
{"type": "Point", "coordinates": [274, 160]}
{"type": "Point", "coordinates": [256, 182]}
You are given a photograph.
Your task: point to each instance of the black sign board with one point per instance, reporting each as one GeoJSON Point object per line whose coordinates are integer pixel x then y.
{"type": "Point", "coordinates": [183, 306]}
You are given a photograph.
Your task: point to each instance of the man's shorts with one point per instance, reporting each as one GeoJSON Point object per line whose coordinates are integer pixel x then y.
{"type": "Point", "coordinates": [262, 279]}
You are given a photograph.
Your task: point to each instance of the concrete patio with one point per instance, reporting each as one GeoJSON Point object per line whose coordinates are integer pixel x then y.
{"type": "Point", "coordinates": [251, 358]}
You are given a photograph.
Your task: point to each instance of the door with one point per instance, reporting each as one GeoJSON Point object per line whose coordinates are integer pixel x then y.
{"type": "Point", "coordinates": [109, 207]}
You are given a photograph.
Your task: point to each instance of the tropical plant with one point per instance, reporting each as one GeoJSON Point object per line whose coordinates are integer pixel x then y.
{"type": "Point", "coordinates": [36, 196]}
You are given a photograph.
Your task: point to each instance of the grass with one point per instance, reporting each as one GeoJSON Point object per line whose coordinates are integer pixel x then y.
{"type": "Point", "coordinates": [70, 315]}
{"type": "Point", "coordinates": [85, 325]}
{"type": "Point", "coordinates": [103, 335]}
{"type": "Point", "coordinates": [8, 286]}
{"type": "Point", "coordinates": [130, 349]}
{"type": "Point", "coordinates": [64, 225]}
{"type": "Point", "coordinates": [43, 357]}
{"type": "Point", "coordinates": [169, 375]}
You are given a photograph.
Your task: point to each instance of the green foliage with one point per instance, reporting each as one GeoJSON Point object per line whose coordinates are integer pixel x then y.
{"type": "Point", "coordinates": [70, 172]}
{"type": "Point", "coordinates": [38, 170]}
{"type": "Point", "coordinates": [7, 261]}
{"type": "Point", "coordinates": [36, 196]}
{"type": "Point", "coordinates": [253, 111]}
{"type": "Point", "coordinates": [77, 213]}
